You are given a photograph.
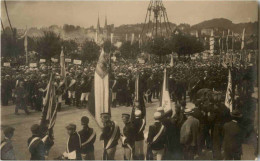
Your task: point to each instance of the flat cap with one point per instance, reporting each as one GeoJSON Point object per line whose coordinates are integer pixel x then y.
{"type": "Point", "coordinates": [105, 114]}
{"type": "Point", "coordinates": [71, 127]}
{"type": "Point", "coordinates": [188, 111]}
{"type": "Point", "coordinates": [157, 115]}
{"type": "Point", "coordinates": [138, 113]}
{"type": "Point", "coordinates": [125, 115]}
{"type": "Point", "coordinates": [160, 109]}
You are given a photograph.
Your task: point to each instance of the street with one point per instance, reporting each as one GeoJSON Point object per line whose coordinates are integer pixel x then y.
{"type": "Point", "coordinates": [22, 124]}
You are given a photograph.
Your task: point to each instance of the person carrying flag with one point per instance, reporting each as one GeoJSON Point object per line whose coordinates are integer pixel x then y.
{"type": "Point", "coordinates": [110, 135]}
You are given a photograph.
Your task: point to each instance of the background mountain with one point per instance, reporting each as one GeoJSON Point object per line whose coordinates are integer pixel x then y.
{"type": "Point", "coordinates": [225, 24]}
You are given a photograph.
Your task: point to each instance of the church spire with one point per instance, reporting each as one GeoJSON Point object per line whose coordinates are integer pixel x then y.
{"type": "Point", "coordinates": [105, 23]}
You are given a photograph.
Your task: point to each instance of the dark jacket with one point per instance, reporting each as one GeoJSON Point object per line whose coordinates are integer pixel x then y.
{"type": "Point", "coordinates": [107, 134]}
{"type": "Point", "coordinates": [36, 148]}
{"type": "Point", "coordinates": [85, 135]}
{"type": "Point", "coordinates": [74, 144]}
{"type": "Point", "coordinates": [232, 142]}
{"type": "Point", "coordinates": [139, 133]}
{"type": "Point", "coordinates": [190, 132]}
{"type": "Point", "coordinates": [7, 151]}
{"type": "Point", "coordinates": [159, 143]}
{"type": "Point", "coordinates": [128, 132]}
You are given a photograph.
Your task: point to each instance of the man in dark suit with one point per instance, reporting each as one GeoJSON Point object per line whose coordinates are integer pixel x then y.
{"type": "Point", "coordinates": [128, 137]}
{"type": "Point", "coordinates": [22, 95]}
{"type": "Point", "coordinates": [233, 139]}
{"type": "Point", "coordinates": [35, 144]}
{"type": "Point", "coordinates": [189, 137]}
{"type": "Point", "coordinates": [88, 138]}
{"type": "Point", "coordinates": [156, 137]}
{"type": "Point", "coordinates": [110, 135]}
{"type": "Point", "coordinates": [73, 144]}
{"type": "Point", "coordinates": [7, 151]}
{"type": "Point", "coordinates": [139, 126]}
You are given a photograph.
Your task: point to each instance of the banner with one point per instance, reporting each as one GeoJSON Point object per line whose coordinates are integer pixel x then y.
{"type": "Point", "coordinates": [68, 60]}
{"type": "Point", "coordinates": [33, 65]}
{"type": "Point", "coordinates": [78, 62]}
{"type": "Point", "coordinates": [141, 61]}
{"type": "Point", "coordinates": [99, 98]}
{"type": "Point", "coordinates": [42, 60]}
{"type": "Point", "coordinates": [7, 64]}
{"type": "Point", "coordinates": [54, 60]}
{"type": "Point", "coordinates": [229, 93]}
{"type": "Point", "coordinates": [165, 101]}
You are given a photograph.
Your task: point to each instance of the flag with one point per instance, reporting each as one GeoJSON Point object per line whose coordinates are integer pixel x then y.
{"type": "Point", "coordinates": [171, 63]}
{"type": "Point", "coordinates": [165, 101]}
{"type": "Point", "coordinates": [243, 39]}
{"type": "Point", "coordinates": [100, 93]}
{"type": "Point", "coordinates": [138, 97]}
{"type": "Point", "coordinates": [229, 93]}
{"type": "Point", "coordinates": [112, 38]}
{"type": "Point", "coordinates": [50, 105]}
{"type": "Point", "coordinates": [227, 40]}
{"type": "Point", "coordinates": [62, 65]}
{"type": "Point", "coordinates": [133, 38]}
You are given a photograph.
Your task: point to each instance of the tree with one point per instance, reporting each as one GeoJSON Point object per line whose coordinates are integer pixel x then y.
{"type": "Point", "coordinates": [90, 51]}
{"type": "Point", "coordinates": [108, 47]}
{"type": "Point", "coordinates": [9, 44]}
{"type": "Point", "coordinates": [49, 45]}
{"type": "Point", "coordinates": [159, 46]}
{"type": "Point", "coordinates": [128, 50]}
{"type": "Point", "coordinates": [69, 47]}
{"type": "Point", "coordinates": [184, 44]}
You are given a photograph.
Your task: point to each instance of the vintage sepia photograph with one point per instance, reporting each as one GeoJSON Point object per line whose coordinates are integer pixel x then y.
{"type": "Point", "coordinates": [129, 80]}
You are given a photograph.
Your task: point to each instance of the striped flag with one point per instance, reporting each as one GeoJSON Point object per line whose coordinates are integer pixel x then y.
{"type": "Point", "coordinates": [50, 105]}
{"type": "Point", "coordinates": [165, 101]}
{"type": "Point", "coordinates": [138, 98]}
{"type": "Point", "coordinates": [100, 94]}
{"type": "Point", "coordinates": [229, 93]}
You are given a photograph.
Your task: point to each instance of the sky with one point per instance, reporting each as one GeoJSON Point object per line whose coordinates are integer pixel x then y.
{"type": "Point", "coordinates": [85, 13]}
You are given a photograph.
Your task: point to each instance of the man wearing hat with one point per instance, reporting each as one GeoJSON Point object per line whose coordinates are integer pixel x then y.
{"type": "Point", "coordinates": [73, 145]}
{"type": "Point", "coordinates": [21, 96]}
{"type": "Point", "coordinates": [139, 126]}
{"type": "Point", "coordinates": [127, 137]}
{"type": "Point", "coordinates": [156, 137]}
{"type": "Point", "coordinates": [7, 151]}
{"type": "Point", "coordinates": [88, 138]}
{"type": "Point", "coordinates": [110, 135]}
{"type": "Point", "coordinates": [189, 135]}
{"type": "Point", "coordinates": [233, 138]}
{"type": "Point", "coordinates": [35, 144]}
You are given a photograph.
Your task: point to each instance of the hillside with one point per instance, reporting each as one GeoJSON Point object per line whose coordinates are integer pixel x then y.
{"type": "Point", "coordinates": [224, 24]}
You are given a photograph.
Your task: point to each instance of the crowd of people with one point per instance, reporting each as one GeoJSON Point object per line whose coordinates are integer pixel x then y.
{"type": "Point", "coordinates": [185, 134]}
